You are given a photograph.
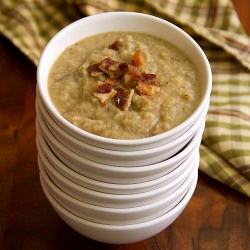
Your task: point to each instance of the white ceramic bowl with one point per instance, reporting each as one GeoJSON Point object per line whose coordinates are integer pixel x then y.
{"type": "Point", "coordinates": [113, 188]}
{"type": "Point", "coordinates": [111, 157]}
{"type": "Point", "coordinates": [61, 140]}
{"type": "Point", "coordinates": [120, 234]}
{"type": "Point", "coordinates": [115, 200]}
{"type": "Point", "coordinates": [117, 216]}
{"type": "Point", "coordinates": [54, 164]}
{"type": "Point", "coordinates": [114, 21]}
{"type": "Point", "coordinates": [122, 175]}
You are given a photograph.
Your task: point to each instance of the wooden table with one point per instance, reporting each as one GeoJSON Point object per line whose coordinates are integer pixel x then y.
{"type": "Point", "coordinates": [216, 217]}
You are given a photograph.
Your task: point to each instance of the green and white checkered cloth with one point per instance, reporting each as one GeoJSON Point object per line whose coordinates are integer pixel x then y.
{"type": "Point", "coordinates": [225, 149]}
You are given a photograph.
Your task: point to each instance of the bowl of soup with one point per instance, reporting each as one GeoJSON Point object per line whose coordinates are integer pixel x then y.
{"type": "Point", "coordinates": [124, 81]}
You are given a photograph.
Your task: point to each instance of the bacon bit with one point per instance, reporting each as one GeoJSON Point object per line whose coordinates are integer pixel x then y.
{"type": "Point", "coordinates": [103, 87]}
{"type": "Point", "coordinates": [123, 67]}
{"type": "Point", "coordinates": [123, 98]}
{"type": "Point", "coordinates": [122, 79]}
{"type": "Point", "coordinates": [131, 76]}
{"type": "Point", "coordinates": [106, 86]}
{"type": "Point", "coordinates": [147, 84]}
{"type": "Point", "coordinates": [146, 78]}
{"type": "Point", "coordinates": [105, 97]}
{"type": "Point", "coordinates": [145, 89]}
{"type": "Point", "coordinates": [117, 44]}
{"type": "Point", "coordinates": [112, 81]}
{"type": "Point", "coordinates": [133, 70]}
{"type": "Point", "coordinates": [137, 58]}
{"type": "Point", "coordinates": [94, 70]}
{"type": "Point", "coordinates": [110, 67]}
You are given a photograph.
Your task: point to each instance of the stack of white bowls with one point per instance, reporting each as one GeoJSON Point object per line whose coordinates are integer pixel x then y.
{"type": "Point", "coordinates": [110, 190]}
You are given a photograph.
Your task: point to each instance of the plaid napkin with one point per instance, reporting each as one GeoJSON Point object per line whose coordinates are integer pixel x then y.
{"type": "Point", "coordinates": [225, 148]}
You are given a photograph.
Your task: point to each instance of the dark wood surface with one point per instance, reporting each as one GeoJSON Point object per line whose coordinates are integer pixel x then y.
{"type": "Point", "coordinates": [216, 217]}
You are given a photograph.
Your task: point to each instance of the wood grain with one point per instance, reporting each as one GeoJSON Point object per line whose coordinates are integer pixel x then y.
{"type": "Point", "coordinates": [217, 218]}
{"type": "Point", "coordinates": [243, 9]}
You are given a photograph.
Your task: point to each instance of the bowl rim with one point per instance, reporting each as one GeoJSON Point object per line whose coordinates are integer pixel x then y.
{"type": "Point", "coordinates": [66, 172]}
{"type": "Point", "coordinates": [117, 159]}
{"type": "Point", "coordinates": [114, 153]}
{"type": "Point", "coordinates": [177, 209]}
{"type": "Point", "coordinates": [121, 197]}
{"type": "Point", "coordinates": [171, 161]}
{"type": "Point", "coordinates": [155, 204]}
{"type": "Point", "coordinates": [120, 142]}
{"type": "Point", "coordinates": [186, 168]}
{"type": "Point", "coordinates": [116, 175]}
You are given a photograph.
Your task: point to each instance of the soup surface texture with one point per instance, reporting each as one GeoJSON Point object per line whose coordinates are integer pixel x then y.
{"type": "Point", "coordinates": [124, 85]}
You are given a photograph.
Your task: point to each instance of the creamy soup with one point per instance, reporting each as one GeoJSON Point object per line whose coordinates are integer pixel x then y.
{"type": "Point", "coordinates": [124, 85]}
